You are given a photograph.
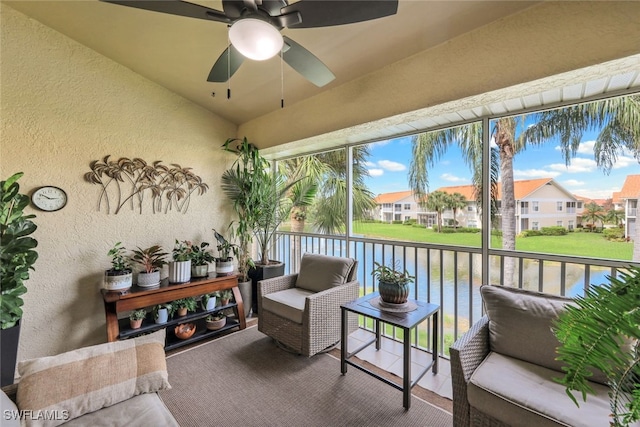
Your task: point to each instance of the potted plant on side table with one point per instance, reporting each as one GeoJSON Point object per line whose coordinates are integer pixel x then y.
{"type": "Point", "coordinates": [200, 259]}
{"type": "Point", "coordinates": [162, 312]}
{"type": "Point", "coordinates": [216, 321]}
{"type": "Point", "coordinates": [119, 277]}
{"type": "Point", "coordinates": [17, 257]}
{"type": "Point", "coordinates": [183, 305]}
{"type": "Point", "coordinates": [151, 259]}
{"type": "Point", "coordinates": [224, 263]}
{"type": "Point", "coordinates": [136, 317]}
{"type": "Point", "coordinates": [393, 284]}
{"type": "Point", "coordinates": [180, 267]}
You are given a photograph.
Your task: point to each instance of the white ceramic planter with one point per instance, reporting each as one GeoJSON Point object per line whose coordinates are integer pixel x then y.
{"type": "Point", "coordinates": [211, 304]}
{"type": "Point", "coordinates": [224, 268]}
{"type": "Point", "coordinates": [200, 270]}
{"type": "Point", "coordinates": [163, 315]}
{"type": "Point", "coordinates": [149, 280]}
{"type": "Point", "coordinates": [119, 282]}
{"type": "Point", "coordinates": [179, 271]}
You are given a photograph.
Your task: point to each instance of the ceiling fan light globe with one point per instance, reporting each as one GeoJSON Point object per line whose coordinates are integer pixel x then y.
{"type": "Point", "coordinates": [255, 39]}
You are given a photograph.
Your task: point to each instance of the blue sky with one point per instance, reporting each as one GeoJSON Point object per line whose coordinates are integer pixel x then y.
{"type": "Point", "coordinates": [390, 160]}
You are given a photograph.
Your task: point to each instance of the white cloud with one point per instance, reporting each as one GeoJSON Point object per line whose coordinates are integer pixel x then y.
{"type": "Point", "coordinates": [625, 161]}
{"type": "Point", "coordinates": [583, 148]}
{"type": "Point", "coordinates": [452, 178]}
{"type": "Point", "coordinates": [391, 166]}
{"type": "Point", "coordinates": [577, 165]}
{"type": "Point", "coordinates": [534, 173]}
{"type": "Point", "coordinates": [376, 172]}
{"type": "Point", "coordinates": [596, 193]}
{"type": "Point", "coordinates": [572, 182]}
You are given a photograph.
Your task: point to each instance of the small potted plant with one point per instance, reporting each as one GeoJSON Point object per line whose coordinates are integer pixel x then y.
{"type": "Point", "coordinates": [161, 312]}
{"type": "Point", "coordinates": [208, 301]}
{"type": "Point", "coordinates": [180, 267]}
{"type": "Point", "coordinates": [183, 305]}
{"type": "Point", "coordinates": [224, 262]}
{"type": "Point", "coordinates": [200, 259]}
{"type": "Point", "coordinates": [225, 297]}
{"type": "Point", "coordinates": [216, 321]}
{"type": "Point", "coordinates": [119, 277]}
{"type": "Point", "coordinates": [393, 284]}
{"type": "Point", "coordinates": [136, 317]}
{"type": "Point", "coordinates": [151, 259]}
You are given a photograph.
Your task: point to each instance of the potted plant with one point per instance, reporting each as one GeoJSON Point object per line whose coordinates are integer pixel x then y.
{"type": "Point", "coordinates": [208, 301]}
{"type": "Point", "coordinates": [119, 277]}
{"type": "Point", "coordinates": [200, 259]}
{"type": "Point", "coordinates": [216, 321]}
{"type": "Point", "coordinates": [17, 257]}
{"type": "Point", "coordinates": [161, 312]}
{"type": "Point", "coordinates": [393, 284]}
{"type": "Point", "coordinates": [151, 259]}
{"type": "Point", "coordinates": [225, 297]}
{"type": "Point", "coordinates": [224, 262]}
{"type": "Point", "coordinates": [615, 349]}
{"type": "Point", "coordinates": [136, 317]}
{"type": "Point", "coordinates": [180, 267]}
{"type": "Point", "coordinates": [245, 263]}
{"type": "Point", "coordinates": [262, 200]}
{"type": "Point", "coordinates": [184, 305]}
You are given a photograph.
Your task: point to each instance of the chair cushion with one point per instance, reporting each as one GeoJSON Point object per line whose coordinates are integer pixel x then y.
{"type": "Point", "coordinates": [520, 323]}
{"type": "Point", "coordinates": [140, 411]}
{"type": "Point", "coordinates": [91, 378]}
{"type": "Point", "coordinates": [10, 415]}
{"type": "Point", "coordinates": [321, 272]}
{"type": "Point", "coordinates": [288, 303]}
{"type": "Point", "coordinates": [520, 393]}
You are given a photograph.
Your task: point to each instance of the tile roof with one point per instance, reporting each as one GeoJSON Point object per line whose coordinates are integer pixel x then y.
{"type": "Point", "coordinates": [521, 188]}
{"type": "Point", "coordinates": [392, 197]}
{"type": "Point", "coordinates": [631, 187]}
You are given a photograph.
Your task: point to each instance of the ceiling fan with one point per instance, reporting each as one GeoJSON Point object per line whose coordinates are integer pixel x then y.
{"type": "Point", "coordinates": [255, 27]}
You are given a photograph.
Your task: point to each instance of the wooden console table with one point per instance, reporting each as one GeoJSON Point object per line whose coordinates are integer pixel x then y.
{"type": "Point", "coordinates": [136, 297]}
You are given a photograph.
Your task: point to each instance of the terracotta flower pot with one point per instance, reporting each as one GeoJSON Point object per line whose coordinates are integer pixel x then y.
{"type": "Point", "coordinates": [135, 324]}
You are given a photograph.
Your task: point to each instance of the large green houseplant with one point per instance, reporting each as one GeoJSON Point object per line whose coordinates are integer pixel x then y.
{"type": "Point", "coordinates": [17, 257]}
{"type": "Point", "coordinates": [601, 331]}
{"type": "Point", "coordinates": [262, 200]}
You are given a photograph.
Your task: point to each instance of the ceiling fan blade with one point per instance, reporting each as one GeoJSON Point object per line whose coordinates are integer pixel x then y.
{"type": "Point", "coordinates": [175, 7]}
{"type": "Point", "coordinates": [306, 63]}
{"type": "Point", "coordinates": [325, 13]}
{"type": "Point", "coordinates": [221, 71]}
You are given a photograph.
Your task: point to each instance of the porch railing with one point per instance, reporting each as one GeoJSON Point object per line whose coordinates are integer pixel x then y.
{"type": "Point", "coordinates": [451, 275]}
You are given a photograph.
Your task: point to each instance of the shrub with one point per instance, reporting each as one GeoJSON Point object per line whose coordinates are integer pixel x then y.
{"type": "Point", "coordinates": [556, 230]}
{"type": "Point", "coordinates": [614, 234]}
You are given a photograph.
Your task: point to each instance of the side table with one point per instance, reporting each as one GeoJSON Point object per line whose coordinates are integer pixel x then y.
{"type": "Point", "coordinates": [407, 321]}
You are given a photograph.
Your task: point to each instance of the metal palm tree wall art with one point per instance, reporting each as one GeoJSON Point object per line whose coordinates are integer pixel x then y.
{"type": "Point", "coordinates": [127, 182]}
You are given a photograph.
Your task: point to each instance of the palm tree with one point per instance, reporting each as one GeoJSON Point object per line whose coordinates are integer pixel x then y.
{"type": "Point", "coordinates": [456, 201]}
{"type": "Point", "coordinates": [593, 213]}
{"type": "Point", "coordinates": [615, 217]}
{"type": "Point", "coordinates": [617, 119]}
{"type": "Point", "coordinates": [437, 202]}
{"type": "Point", "coordinates": [328, 172]}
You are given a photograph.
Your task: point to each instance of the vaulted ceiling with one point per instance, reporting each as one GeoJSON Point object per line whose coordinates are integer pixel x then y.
{"type": "Point", "coordinates": [178, 52]}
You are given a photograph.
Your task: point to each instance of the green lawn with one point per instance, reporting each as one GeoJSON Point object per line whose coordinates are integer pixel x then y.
{"type": "Point", "coordinates": [592, 245]}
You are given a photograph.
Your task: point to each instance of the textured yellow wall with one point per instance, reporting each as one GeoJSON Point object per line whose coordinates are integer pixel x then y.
{"type": "Point", "coordinates": [62, 106]}
{"type": "Point", "coordinates": [547, 39]}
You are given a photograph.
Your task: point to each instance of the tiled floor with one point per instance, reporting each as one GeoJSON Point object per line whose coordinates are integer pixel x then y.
{"type": "Point", "coordinates": [389, 358]}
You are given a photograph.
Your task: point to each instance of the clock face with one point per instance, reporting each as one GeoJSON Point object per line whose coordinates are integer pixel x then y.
{"type": "Point", "coordinates": [49, 198]}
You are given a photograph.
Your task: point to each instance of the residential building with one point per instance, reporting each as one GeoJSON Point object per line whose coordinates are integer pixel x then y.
{"type": "Point", "coordinates": [629, 196]}
{"type": "Point", "coordinates": [540, 203]}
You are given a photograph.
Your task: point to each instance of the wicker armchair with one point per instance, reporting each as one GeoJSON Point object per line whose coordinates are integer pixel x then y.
{"type": "Point", "coordinates": [302, 311]}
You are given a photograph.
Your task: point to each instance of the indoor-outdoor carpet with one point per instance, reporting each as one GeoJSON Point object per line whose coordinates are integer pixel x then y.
{"type": "Point", "coordinates": [244, 379]}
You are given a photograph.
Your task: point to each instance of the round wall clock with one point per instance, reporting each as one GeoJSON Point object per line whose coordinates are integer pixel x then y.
{"type": "Point", "coordinates": [49, 198]}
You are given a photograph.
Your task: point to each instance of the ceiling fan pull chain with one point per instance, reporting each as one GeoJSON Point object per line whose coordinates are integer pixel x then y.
{"type": "Point", "coordinates": [228, 64]}
{"type": "Point", "coordinates": [282, 77]}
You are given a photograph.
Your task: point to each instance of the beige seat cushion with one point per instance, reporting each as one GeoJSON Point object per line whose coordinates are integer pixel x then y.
{"type": "Point", "coordinates": [321, 272]}
{"type": "Point", "coordinates": [91, 378]}
{"type": "Point", "coordinates": [519, 393]}
{"type": "Point", "coordinates": [140, 411]}
{"type": "Point", "coordinates": [288, 303]}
